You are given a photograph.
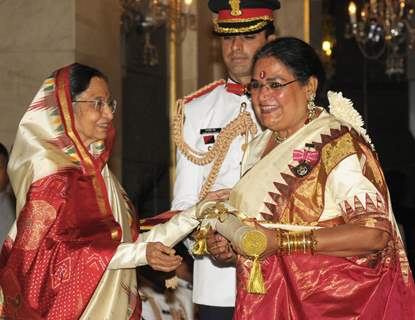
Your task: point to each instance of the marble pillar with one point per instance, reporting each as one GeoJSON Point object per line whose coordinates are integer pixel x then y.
{"type": "Point", "coordinates": [287, 25]}
{"type": "Point", "coordinates": [301, 19]}
{"type": "Point", "coordinates": [37, 37]}
{"type": "Point", "coordinates": [187, 56]}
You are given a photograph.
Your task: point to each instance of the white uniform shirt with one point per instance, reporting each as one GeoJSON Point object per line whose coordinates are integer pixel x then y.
{"type": "Point", "coordinates": [204, 116]}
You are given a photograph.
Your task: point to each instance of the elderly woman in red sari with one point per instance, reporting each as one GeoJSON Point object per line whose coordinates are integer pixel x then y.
{"type": "Point", "coordinates": [73, 250]}
{"type": "Point", "coordinates": [314, 184]}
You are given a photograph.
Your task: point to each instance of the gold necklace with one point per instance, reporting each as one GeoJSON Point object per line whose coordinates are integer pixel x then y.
{"type": "Point", "coordinates": [277, 138]}
{"type": "Point", "coordinates": [312, 114]}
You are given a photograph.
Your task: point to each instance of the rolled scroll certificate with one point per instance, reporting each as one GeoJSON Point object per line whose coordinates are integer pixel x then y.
{"type": "Point", "coordinates": [250, 241]}
{"type": "Point", "coordinates": [223, 219]}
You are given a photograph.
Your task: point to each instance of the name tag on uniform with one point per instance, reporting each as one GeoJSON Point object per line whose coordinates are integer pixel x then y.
{"type": "Point", "coordinates": [210, 130]}
{"type": "Point", "coordinates": [209, 134]}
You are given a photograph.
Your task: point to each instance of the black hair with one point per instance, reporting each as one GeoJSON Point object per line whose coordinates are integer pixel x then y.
{"type": "Point", "coordinates": [80, 77]}
{"type": "Point", "coordinates": [299, 57]}
{"type": "Point", "coordinates": [269, 30]}
{"type": "Point", "coordinates": [4, 152]}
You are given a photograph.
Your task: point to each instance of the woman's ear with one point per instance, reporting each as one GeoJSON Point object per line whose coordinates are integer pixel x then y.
{"type": "Point", "coordinates": [312, 85]}
{"type": "Point", "coordinates": [271, 37]}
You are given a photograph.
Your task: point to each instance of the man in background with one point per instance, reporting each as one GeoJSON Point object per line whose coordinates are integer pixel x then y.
{"type": "Point", "coordinates": [243, 28]}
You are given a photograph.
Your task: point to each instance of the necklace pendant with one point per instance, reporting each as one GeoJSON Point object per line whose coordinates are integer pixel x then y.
{"type": "Point", "coordinates": [277, 138]}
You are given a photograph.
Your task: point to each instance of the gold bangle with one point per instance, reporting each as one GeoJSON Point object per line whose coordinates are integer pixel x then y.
{"type": "Point", "coordinates": [313, 244]}
{"type": "Point", "coordinates": [290, 242]}
{"type": "Point", "coordinates": [306, 242]}
{"type": "Point", "coordinates": [286, 243]}
{"type": "Point", "coordinates": [278, 238]}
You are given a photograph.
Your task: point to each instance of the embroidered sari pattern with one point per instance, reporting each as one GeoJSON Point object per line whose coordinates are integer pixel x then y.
{"type": "Point", "coordinates": [55, 260]}
{"type": "Point", "coordinates": [320, 286]}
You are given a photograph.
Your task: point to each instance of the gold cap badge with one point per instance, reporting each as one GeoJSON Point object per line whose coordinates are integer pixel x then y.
{"type": "Point", "coordinates": [236, 7]}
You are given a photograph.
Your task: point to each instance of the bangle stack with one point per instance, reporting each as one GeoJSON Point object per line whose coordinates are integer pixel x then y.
{"type": "Point", "coordinates": [291, 242]}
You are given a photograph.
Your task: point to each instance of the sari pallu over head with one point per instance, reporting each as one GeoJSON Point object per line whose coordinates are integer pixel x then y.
{"type": "Point", "coordinates": [71, 216]}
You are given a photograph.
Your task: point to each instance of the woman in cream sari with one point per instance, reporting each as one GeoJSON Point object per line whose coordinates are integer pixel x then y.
{"type": "Point", "coordinates": [73, 250]}
{"type": "Point", "coordinates": [314, 180]}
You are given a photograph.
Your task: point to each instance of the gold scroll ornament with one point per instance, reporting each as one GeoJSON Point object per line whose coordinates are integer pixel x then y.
{"type": "Point", "coordinates": [249, 241]}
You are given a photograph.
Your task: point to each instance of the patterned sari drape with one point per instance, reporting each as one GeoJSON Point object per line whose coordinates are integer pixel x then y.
{"type": "Point", "coordinates": [345, 185]}
{"type": "Point", "coordinates": [71, 216]}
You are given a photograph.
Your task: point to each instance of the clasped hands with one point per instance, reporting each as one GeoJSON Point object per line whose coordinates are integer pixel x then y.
{"type": "Point", "coordinates": [222, 250]}
{"type": "Point", "coordinates": [161, 257]}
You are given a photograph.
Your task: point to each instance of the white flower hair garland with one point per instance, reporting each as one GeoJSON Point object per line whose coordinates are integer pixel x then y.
{"type": "Point", "coordinates": [342, 108]}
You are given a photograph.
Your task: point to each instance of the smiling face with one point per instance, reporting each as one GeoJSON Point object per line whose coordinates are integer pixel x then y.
{"type": "Point", "coordinates": [282, 109]}
{"type": "Point", "coordinates": [237, 53]}
{"type": "Point", "coordinates": [92, 125]}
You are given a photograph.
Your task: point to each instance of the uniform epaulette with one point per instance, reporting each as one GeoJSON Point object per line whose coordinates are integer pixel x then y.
{"type": "Point", "coordinates": [202, 91]}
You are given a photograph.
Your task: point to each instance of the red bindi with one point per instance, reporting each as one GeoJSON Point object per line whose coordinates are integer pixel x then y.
{"type": "Point", "coordinates": [262, 74]}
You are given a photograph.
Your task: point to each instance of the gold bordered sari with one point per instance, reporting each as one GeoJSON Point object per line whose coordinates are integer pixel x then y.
{"type": "Point", "coordinates": [71, 216]}
{"type": "Point", "coordinates": [344, 184]}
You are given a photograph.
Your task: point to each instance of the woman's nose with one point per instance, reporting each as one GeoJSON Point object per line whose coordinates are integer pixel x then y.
{"type": "Point", "coordinates": [264, 91]}
{"type": "Point", "coordinates": [107, 112]}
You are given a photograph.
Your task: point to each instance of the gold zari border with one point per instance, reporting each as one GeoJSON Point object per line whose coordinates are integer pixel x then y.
{"type": "Point", "coordinates": [265, 18]}
{"type": "Point", "coordinates": [255, 27]}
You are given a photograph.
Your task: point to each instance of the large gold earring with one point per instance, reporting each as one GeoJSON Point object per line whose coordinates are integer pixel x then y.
{"type": "Point", "coordinates": [311, 108]}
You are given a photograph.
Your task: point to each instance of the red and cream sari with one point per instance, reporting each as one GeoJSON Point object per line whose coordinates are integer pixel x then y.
{"type": "Point", "coordinates": [342, 183]}
{"type": "Point", "coordinates": [72, 214]}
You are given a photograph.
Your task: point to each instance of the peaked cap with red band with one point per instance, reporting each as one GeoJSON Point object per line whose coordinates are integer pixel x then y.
{"type": "Point", "coordinates": [242, 16]}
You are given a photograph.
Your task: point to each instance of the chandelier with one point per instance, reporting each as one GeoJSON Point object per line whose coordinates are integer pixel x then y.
{"type": "Point", "coordinates": [147, 15]}
{"type": "Point", "coordinates": [383, 29]}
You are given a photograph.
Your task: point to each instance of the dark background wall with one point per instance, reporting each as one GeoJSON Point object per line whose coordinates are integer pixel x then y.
{"type": "Point", "coordinates": [146, 125]}
{"type": "Point", "coordinates": [383, 102]}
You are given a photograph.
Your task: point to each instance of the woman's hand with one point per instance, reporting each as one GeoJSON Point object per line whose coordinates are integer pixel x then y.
{"type": "Point", "coordinates": [218, 195]}
{"type": "Point", "coordinates": [220, 248]}
{"type": "Point", "coordinates": [272, 245]}
{"type": "Point", "coordinates": [161, 257]}
{"type": "Point", "coordinates": [270, 234]}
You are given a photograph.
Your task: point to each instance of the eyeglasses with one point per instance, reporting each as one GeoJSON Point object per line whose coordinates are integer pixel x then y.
{"type": "Point", "coordinates": [99, 104]}
{"type": "Point", "coordinates": [254, 86]}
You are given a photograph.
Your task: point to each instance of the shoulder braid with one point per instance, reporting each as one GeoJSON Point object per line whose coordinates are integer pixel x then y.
{"type": "Point", "coordinates": [241, 125]}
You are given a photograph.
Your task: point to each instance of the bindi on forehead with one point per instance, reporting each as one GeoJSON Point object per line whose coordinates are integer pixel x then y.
{"type": "Point", "coordinates": [262, 75]}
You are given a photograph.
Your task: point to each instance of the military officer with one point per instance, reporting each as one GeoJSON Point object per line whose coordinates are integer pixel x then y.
{"type": "Point", "coordinates": [210, 115]}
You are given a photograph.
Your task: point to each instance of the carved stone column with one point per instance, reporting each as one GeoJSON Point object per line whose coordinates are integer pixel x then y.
{"type": "Point", "coordinates": [38, 37]}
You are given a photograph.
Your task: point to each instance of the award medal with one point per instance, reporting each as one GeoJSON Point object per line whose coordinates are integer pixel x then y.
{"type": "Point", "coordinates": [306, 160]}
{"type": "Point", "coordinates": [254, 243]}
{"type": "Point", "coordinates": [302, 169]}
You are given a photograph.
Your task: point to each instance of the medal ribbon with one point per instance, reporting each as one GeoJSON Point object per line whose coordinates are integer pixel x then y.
{"type": "Point", "coordinates": [306, 156]}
